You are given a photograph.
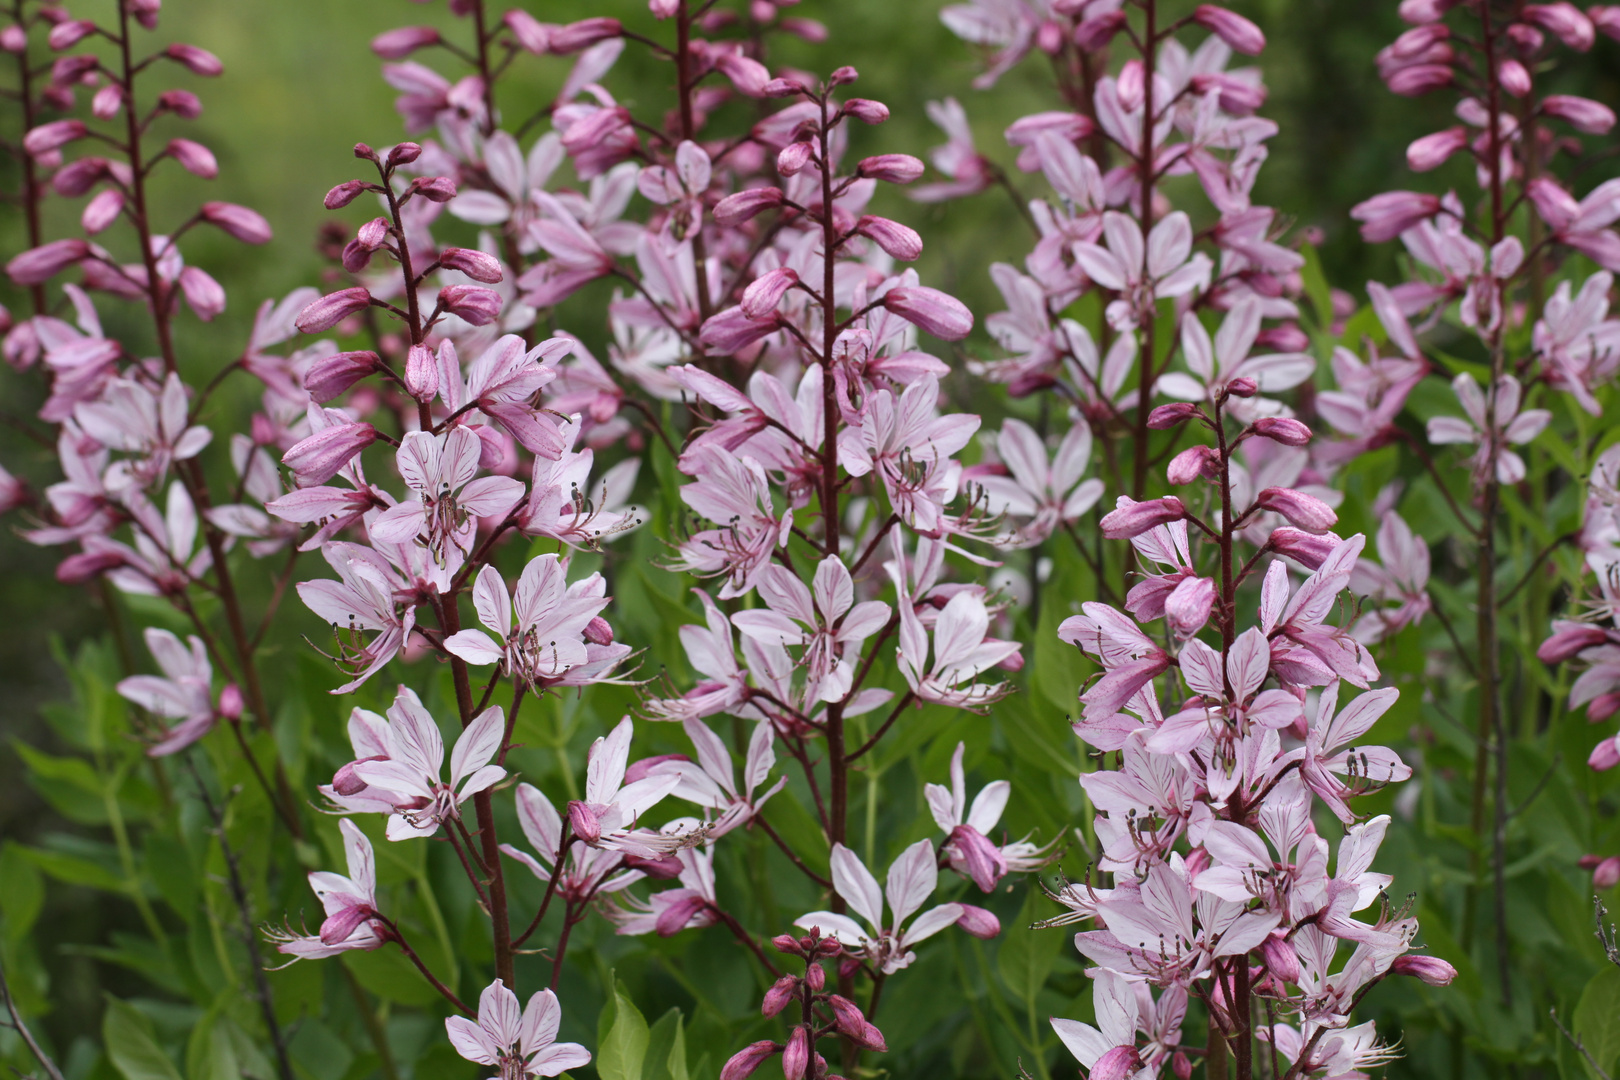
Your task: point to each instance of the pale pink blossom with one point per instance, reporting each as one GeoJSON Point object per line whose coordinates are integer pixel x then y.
{"type": "Point", "coordinates": [1163, 268]}
{"type": "Point", "coordinates": [551, 616]}
{"type": "Point", "coordinates": [1052, 495]}
{"type": "Point", "coordinates": [887, 944]}
{"type": "Point", "coordinates": [414, 769]}
{"type": "Point", "coordinates": [352, 919]}
{"type": "Point", "coordinates": [183, 693]}
{"type": "Point", "coordinates": [440, 470]}
{"type": "Point", "coordinates": [1493, 426]}
{"type": "Point", "coordinates": [518, 1044]}
{"type": "Point", "coordinates": [825, 621]}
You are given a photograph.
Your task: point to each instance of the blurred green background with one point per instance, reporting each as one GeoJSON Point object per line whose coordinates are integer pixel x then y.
{"type": "Point", "coordinates": [301, 86]}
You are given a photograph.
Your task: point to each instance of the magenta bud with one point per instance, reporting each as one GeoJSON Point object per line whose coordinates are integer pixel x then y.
{"type": "Point", "coordinates": [400, 43]}
{"type": "Point", "coordinates": [347, 782]}
{"type": "Point", "coordinates": [1564, 20]}
{"type": "Point", "coordinates": [781, 993]}
{"type": "Point", "coordinates": [796, 1056]}
{"type": "Point", "coordinates": [421, 373]}
{"type": "Point", "coordinates": [731, 330]}
{"type": "Point", "coordinates": [101, 211]}
{"type": "Point", "coordinates": [53, 136]}
{"type": "Point", "coordinates": [781, 88]}
{"type": "Point", "coordinates": [331, 375]}
{"type": "Point", "coordinates": [344, 194]}
{"type": "Point", "coordinates": [205, 295]}
{"type": "Point", "coordinates": [843, 76]}
{"type": "Point", "coordinates": [598, 631]}
{"type": "Point", "coordinates": [198, 61]}
{"type": "Point", "coordinates": [68, 70]}
{"type": "Point", "coordinates": [86, 566]}
{"type": "Point", "coordinates": [1386, 216]}
{"type": "Point", "coordinates": [849, 1021]}
{"type": "Point", "coordinates": [831, 947]}
{"type": "Point", "coordinates": [1606, 873]}
{"type": "Point", "coordinates": [866, 111]}
{"type": "Point", "coordinates": [1120, 1063]}
{"type": "Point", "coordinates": [1604, 756]}
{"type": "Point", "coordinates": [1514, 77]}
{"type": "Point", "coordinates": [1431, 151]}
{"type": "Point", "coordinates": [1243, 387]}
{"type": "Point", "coordinates": [978, 921]}
{"type": "Point", "coordinates": [787, 943]}
{"type": "Point", "coordinates": [65, 35]}
{"type": "Point", "coordinates": [194, 157]}
{"type": "Point", "coordinates": [816, 976]}
{"type": "Point", "coordinates": [403, 154]}
{"type": "Point", "coordinates": [1283, 429]}
{"type": "Point", "coordinates": [230, 702]}
{"type": "Point", "coordinates": [437, 189]}
{"type": "Point", "coordinates": [582, 819]}
{"type": "Point", "coordinates": [736, 209]}
{"type": "Point", "coordinates": [1094, 33]}
{"type": "Point", "coordinates": [1287, 337]}
{"type": "Point", "coordinates": [14, 39]}
{"type": "Point", "coordinates": [478, 265]}
{"type": "Point", "coordinates": [743, 1063]}
{"type": "Point", "coordinates": [364, 152]}
{"type": "Point", "coordinates": [897, 240]}
{"type": "Point", "coordinates": [1239, 33]}
{"type": "Point", "coordinates": [356, 256]}
{"type": "Point", "coordinates": [931, 311]}
{"type": "Point", "coordinates": [1280, 957]}
{"type": "Point", "coordinates": [893, 168]}
{"type": "Point", "coordinates": [373, 234]}
{"type": "Point", "coordinates": [794, 158]}
{"type": "Point", "coordinates": [78, 177]}
{"type": "Point", "coordinates": [317, 459]}
{"type": "Point", "coordinates": [1187, 608]}
{"type": "Point", "coordinates": [473, 303]}
{"type": "Point", "coordinates": [1192, 463]}
{"type": "Point", "coordinates": [765, 292]}
{"type": "Point", "coordinates": [1570, 639]}
{"type": "Point", "coordinates": [1012, 662]}
{"type": "Point", "coordinates": [146, 12]}
{"type": "Point", "coordinates": [1583, 114]}
{"type": "Point", "coordinates": [323, 314]}
{"type": "Point", "coordinates": [530, 33]}
{"type": "Point", "coordinates": [1431, 969]}
{"type": "Point", "coordinates": [1307, 549]}
{"type": "Point", "coordinates": [1136, 518]}
{"type": "Point", "coordinates": [1181, 1065]}
{"type": "Point", "coordinates": [1305, 511]}
{"type": "Point", "coordinates": [583, 34]}
{"type": "Point", "coordinates": [663, 868]}
{"type": "Point", "coordinates": [1168, 416]}
{"type": "Point", "coordinates": [245, 225]}
{"type": "Point", "coordinates": [182, 103]}
{"type": "Point", "coordinates": [38, 265]}
{"type": "Point", "coordinates": [108, 100]}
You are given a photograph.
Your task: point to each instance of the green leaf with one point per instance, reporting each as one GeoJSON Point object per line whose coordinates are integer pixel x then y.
{"type": "Point", "coordinates": [1596, 1021]}
{"type": "Point", "coordinates": [209, 1054]}
{"type": "Point", "coordinates": [132, 1046]}
{"type": "Point", "coordinates": [390, 976]}
{"type": "Point", "coordinates": [1316, 285]}
{"type": "Point", "coordinates": [622, 1047]}
{"type": "Point", "coordinates": [1027, 955]}
{"type": "Point", "coordinates": [22, 892]}
{"type": "Point", "coordinates": [666, 1048]}
{"type": "Point", "coordinates": [72, 870]}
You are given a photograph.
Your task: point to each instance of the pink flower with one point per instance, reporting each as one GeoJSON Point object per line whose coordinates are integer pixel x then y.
{"type": "Point", "coordinates": [1216, 365]}
{"type": "Point", "coordinates": [735, 495]}
{"type": "Point", "coordinates": [350, 902]}
{"type": "Point", "coordinates": [959, 159]}
{"type": "Point", "coordinates": [1239, 33]}
{"type": "Point", "coordinates": [1332, 750]}
{"type": "Point", "coordinates": [1050, 494]}
{"type": "Point", "coordinates": [519, 1044]}
{"type": "Point", "coordinates": [710, 782]}
{"type": "Point", "coordinates": [1130, 659]}
{"type": "Point", "coordinates": [1402, 580]}
{"type": "Point", "coordinates": [910, 448]}
{"type": "Point", "coordinates": [38, 265]}
{"type": "Point", "coordinates": [548, 638]}
{"type": "Point", "coordinates": [828, 624]}
{"type": "Point", "coordinates": [962, 651]}
{"type": "Point", "coordinates": [131, 417]}
{"type": "Point", "coordinates": [440, 469]}
{"type": "Point", "coordinates": [608, 815]}
{"type": "Point", "coordinates": [184, 693]}
{"type": "Point", "coordinates": [930, 310]}
{"type": "Point", "coordinates": [888, 945]}
{"type": "Point", "coordinates": [1384, 217]}
{"type": "Point", "coordinates": [968, 845]}
{"type": "Point", "coordinates": [712, 652]}
{"type": "Point", "coordinates": [413, 770]}
{"type": "Point", "coordinates": [362, 601]}
{"type": "Point", "coordinates": [328, 451]}
{"type": "Point", "coordinates": [1582, 225]}
{"type": "Point", "coordinates": [1492, 426]}
{"type": "Point", "coordinates": [1172, 269]}
{"type": "Point", "coordinates": [1108, 1051]}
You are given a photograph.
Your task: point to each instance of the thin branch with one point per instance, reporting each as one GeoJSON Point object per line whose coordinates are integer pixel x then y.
{"type": "Point", "coordinates": [1575, 1041]}
{"type": "Point", "coordinates": [21, 1028]}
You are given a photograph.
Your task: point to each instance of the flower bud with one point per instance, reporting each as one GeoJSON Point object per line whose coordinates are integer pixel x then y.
{"type": "Point", "coordinates": [780, 995]}
{"type": "Point", "coordinates": [346, 781]}
{"type": "Point", "coordinates": [1604, 756]}
{"type": "Point", "coordinates": [1135, 518]}
{"type": "Point", "coordinates": [1307, 549]}
{"type": "Point", "coordinates": [1419, 79]}
{"type": "Point", "coordinates": [1238, 33]}
{"type": "Point", "coordinates": [1606, 872]}
{"type": "Point", "coordinates": [866, 111]}
{"type": "Point", "coordinates": [245, 225]}
{"type": "Point", "coordinates": [530, 33]}
{"type": "Point", "coordinates": [1187, 608]}
{"type": "Point", "coordinates": [1280, 957]}
{"type": "Point", "coordinates": [67, 71]}
{"type": "Point", "coordinates": [1431, 969]}
{"type": "Point", "coordinates": [732, 330]}
{"type": "Point", "coordinates": [796, 1056]}
{"type": "Point", "coordinates": [892, 168]}
{"type": "Point", "coordinates": [1514, 77]}
{"type": "Point", "coordinates": [101, 211]}
{"type": "Point", "coordinates": [794, 158]}
{"type": "Point", "coordinates": [1092, 34]}
{"type": "Point", "coordinates": [317, 459]}
{"type": "Point", "coordinates": [781, 88]}
{"type": "Point", "coordinates": [198, 61]}
{"type": "Point", "coordinates": [53, 136]}
{"type": "Point", "coordinates": [1181, 1065]}
{"type": "Point", "coordinates": [897, 240]}
{"type": "Point", "coordinates": [1605, 18]}
{"type": "Point", "coordinates": [1568, 640]}
{"type": "Point", "coordinates": [598, 631]}
{"type": "Point", "coordinates": [930, 310]}
{"type": "Point", "coordinates": [437, 189]}
{"type": "Point", "coordinates": [230, 702]}
{"type": "Point", "coordinates": [194, 157]}
{"type": "Point", "coordinates": [744, 205]}
{"type": "Point", "coordinates": [663, 868]}
{"type": "Point", "coordinates": [583, 820]}
{"type": "Point", "coordinates": [472, 303]}
{"type": "Point", "coordinates": [787, 943]}
{"type": "Point", "coordinates": [182, 103]}
{"type": "Point", "coordinates": [1283, 429]}
{"type": "Point", "coordinates": [421, 373]}
{"type": "Point", "coordinates": [1431, 151]}
{"type": "Point", "coordinates": [86, 566]}
{"type": "Point", "coordinates": [1243, 387]}
{"type": "Point", "coordinates": [344, 194]}
{"type": "Point", "coordinates": [1286, 337]}
{"type": "Point", "coordinates": [1563, 19]}
{"type": "Point", "coordinates": [14, 39]}
{"type": "Point", "coordinates": [765, 292]}
{"type": "Point", "coordinates": [205, 295]}
{"type": "Point", "coordinates": [1422, 12]}
{"type": "Point", "coordinates": [743, 1063]}
{"type": "Point", "coordinates": [1166, 417]}
{"type": "Point", "coordinates": [978, 921]}
{"type": "Point", "coordinates": [146, 12]}
{"type": "Point", "coordinates": [364, 152]}
{"type": "Point", "coordinates": [583, 34]}
{"type": "Point", "coordinates": [1305, 511]}
{"type": "Point", "coordinates": [843, 76]}
{"type": "Point", "coordinates": [65, 35]}
{"type": "Point", "coordinates": [107, 102]}
{"type": "Point", "coordinates": [78, 177]}
{"type": "Point", "coordinates": [38, 265]}
{"type": "Point", "coordinates": [323, 314]}
{"type": "Point", "coordinates": [402, 154]}
{"type": "Point", "coordinates": [478, 265]}
{"type": "Point", "coordinates": [1192, 463]}
{"type": "Point", "coordinates": [356, 256]}
{"type": "Point", "coordinates": [1118, 1064]}
{"type": "Point", "coordinates": [829, 947]}
{"type": "Point", "coordinates": [400, 43]}
{"type": "Point", "coordinates": [1583, 114]}
{"type": "Point", "coordinates": [815, 975]}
